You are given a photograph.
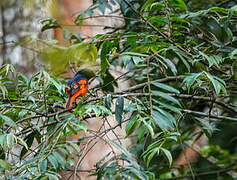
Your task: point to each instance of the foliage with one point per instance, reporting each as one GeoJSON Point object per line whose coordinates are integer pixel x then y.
{"type": "Point", "coordinates": [181, 63]}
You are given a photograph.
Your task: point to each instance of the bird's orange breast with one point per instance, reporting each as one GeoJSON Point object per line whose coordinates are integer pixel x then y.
{"type": "Point", "coordinates": [80, 92]}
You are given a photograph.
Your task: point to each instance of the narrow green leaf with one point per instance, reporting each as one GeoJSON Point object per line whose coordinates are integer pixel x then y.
{"type": "Point", "coordinates": [170, 107]}
{"type": "Point", "coordinates": [132, 125]}
{"type": "Point", "coordinates": [189, 80]}
{"type": "Point", "coordinates": [142, 131]}
{"type": "Point", "coordinates": [171, 65]}
{"type": "Point", "coordinates": [75, 146]}
{"type": "Point", "coordinates": [8, 121]}
{"type": "Point", "coordinates": [60, 159]}
{"type": "Point", "coordinates": [165, 87]}
{"type": "Point", "coordinates": [53, 161]}
{"type": "Point", "coordinates": [215, 83]}
{"type": "Point", "coordinates": [119, 110]}
{"type": "Point", "coordinates": [162, 121]}
{"type": "Point", "coordinates": [178, 3]}
{"type": "Point", "coordinates": [166, 96]}
{"type": "Point", "coordinates": [57, 85]}
{"type": "Point", "coordinates": [29, 141]}
{"type": "Point", "coordinates": [151, 155]}
{"type": "Point", "coordinates": [104, 56]}
{"type": "Point", "coordinates": [126, 59]}
{"type": "Point", "coordinates": [149, 127]}
{"type": "Point", "coordinates": [169, 116]}
{"type": "Point", "coordinates": [5, 165]}
{"type": "Point", "coordinates": [167, 154]}
{"type": "Point", "coordinates": [4, 90]}
{"type": "Point", "coordinates": [233, 54]}
{"type": "Point", "coordinates": [3, 141]}
{"type": "Point", "coordinates": [137, 60]}
{"type": "Point", "coordinates": [63, 151]}
{"type": "Point", "coordinates": [205, 124]}
{"type": "Point", "coordinates": [107, 101]}
{"type": "Point", "coordinates": [43, 165]}
{"type": "Point", "coordinates": [183, 60]}
{"type": "Point", "coordinates": [22, 142]}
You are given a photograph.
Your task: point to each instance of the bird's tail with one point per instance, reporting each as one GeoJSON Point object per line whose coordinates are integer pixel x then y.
{"type": "Point", "coordinates": [69, 102]}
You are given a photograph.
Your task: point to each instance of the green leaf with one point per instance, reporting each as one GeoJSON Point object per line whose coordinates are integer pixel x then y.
{"type": "Point", "coordinates": [215, 83]}
{"type": "Point", "coordinates": [104, 56]}
{"type": "Point", "coordinates": [59, 87]}
{"type": "Point", "coordinates": [151, 155]}
{"type": "Point", "coordinates": [64, 152]}
{"type": "Point", "coordinates": [147, 5]}
{"type": "Point", "coordinates": [46, 78]}
{"type": "Point", "coordinates": [75, 146]}
{"type": "Point", "coordinates": [189, 80]}
{"type": "Point", "coordinates": [22, 113]}
{"type": "Point", "coordinates": [132, 125]}
{"type": "Point", "coordinates": [233, 54]}
{"type": "Point", "coordinates": [8, 121]}
{"type": "Point", "coordinates": [229, 33]}
{"type": "Point", "coordinates": [60, 159]}
{"type": "Point", "coordinates": [166, 96]}
{"type": "Point", "coordinates": [127, 154]}
{"type": "Point", "coordinates": [10, 139]}
{"type": "Point", "coordinates": [5, 165]}
{"type": "Point", "coordinates": [168, 155]}
{"type": "Point", "coordinates": [43, 165]}
{"type": "Point", "coordinates": [49, 23]}
{"type": "Point", "coordinates": [137, 60]}
{"type": "Point", "coordinates": [119, 110]}
{"type": "Point", "coordinates": [53, 161]}
{"type": "Point", "coordinates": [178, 3]}
{"type": "Point", "coordinates": [52, 176]}
{"type": "Point", "coordinates": [165, 87]}
{"type": "Point", "coordinates": [214, 60]}
{"type": "Point", "coordinates": [162, 121]}
{"type": "Point", "coordinates": [142, 131]}
{"type": "Point", "coordinates": [166, 114]}
{"type": "Point", "coordinates": [171, 65]}
{"type": "Point", "coordinates": [22, 142]}
{"type": "Point", "coordinates": [4, 90]}
{"type": "Point", "coordinates": [81, 54]}
{"type": "Point", "coordinates": [3, 141]}
{"type": "Point", "coordinates": [170, 107]}
{"type": "Point", "coordinates": [29, 141]}
{"type": "Point", "coordinates": [149, 127]}
{"type": "Point", "coordinates": [126, 59]}
{"type": "Point", "coordinates": [183, 60]}
{"type": "Point", "coordinates": [205, 124]}
{"type": "Point", "coordinates": [66, 34]}
{"type": "Point", "coordinates": [79, 19]}
{"type": "Point", "coordinates": [107, 101]}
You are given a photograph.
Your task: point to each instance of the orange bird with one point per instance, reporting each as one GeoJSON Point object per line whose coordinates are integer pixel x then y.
{"type": "Point", "coordinates": [77, 86]}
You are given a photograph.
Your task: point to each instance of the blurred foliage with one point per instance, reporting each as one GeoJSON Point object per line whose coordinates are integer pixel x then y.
{"type": "Point", "coordinates": [180, 57]}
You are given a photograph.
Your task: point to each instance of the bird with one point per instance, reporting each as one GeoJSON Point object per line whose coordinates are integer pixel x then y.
{"type": "Point", "coordinates": [77, 87]}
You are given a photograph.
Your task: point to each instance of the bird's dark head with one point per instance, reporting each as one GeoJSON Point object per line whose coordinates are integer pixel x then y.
{"type": "Point", "coordinates": [81, 74]}
{"type": "Point", "coordinates": [86, 73]}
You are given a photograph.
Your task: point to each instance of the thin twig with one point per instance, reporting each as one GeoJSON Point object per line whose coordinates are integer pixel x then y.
{"type": "Point", "coordinates": [167, 79]}
{"type": "Point", "coordinates": [201, 174]}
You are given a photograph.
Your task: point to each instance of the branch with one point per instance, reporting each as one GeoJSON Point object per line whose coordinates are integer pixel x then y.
{"type": "Point", "coordinates": [182, 96]}
{"type": "Point", "coordinates": [167, 79]}
{"type": "Point", "coordinates": [197, 113]}
{"type": "Point", "coordinates": [201, 174]}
